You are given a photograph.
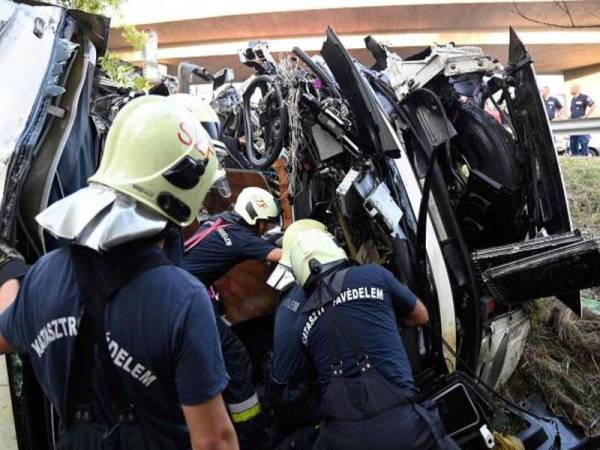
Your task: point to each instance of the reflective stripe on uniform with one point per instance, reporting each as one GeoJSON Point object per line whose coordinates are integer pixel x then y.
{"type": "Point", "coordinates": [246, 415]}
{"type": "Point", "coordinates": [246, 410]}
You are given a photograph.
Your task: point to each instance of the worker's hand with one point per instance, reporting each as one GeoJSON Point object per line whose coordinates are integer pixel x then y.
{"type": "Point", "coordinates": [275, 237]}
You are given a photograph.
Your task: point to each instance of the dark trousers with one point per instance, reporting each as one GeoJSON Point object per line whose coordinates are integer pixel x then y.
{"type": "Point", "coordinates": [240, 396]}
{"type": "Point", "coordinates": [240, 391]}
{"type": "Point", "coordinates": [407, 427]}
{"type": "Point", "coordinates": [580, 145]}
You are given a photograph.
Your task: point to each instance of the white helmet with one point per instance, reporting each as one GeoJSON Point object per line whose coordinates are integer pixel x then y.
{"type": "Point", "coordinates": [254, 204]}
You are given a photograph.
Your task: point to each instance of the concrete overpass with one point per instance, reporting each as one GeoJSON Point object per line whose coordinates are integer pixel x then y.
{"type": "Point", "coordinates": [210, 34]}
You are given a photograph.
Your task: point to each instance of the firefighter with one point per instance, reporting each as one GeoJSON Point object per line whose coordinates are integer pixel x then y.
{"type": "Point", "coordinates": [345, 325]}
{"type": "Point", "coordinates": [234, 236]}
{"type": "Point", "coordinates": [157, 368]}
{"type": "Point", "coordinates": [295, 400]}
{"type": "Point", "coordinates": [220, 243]}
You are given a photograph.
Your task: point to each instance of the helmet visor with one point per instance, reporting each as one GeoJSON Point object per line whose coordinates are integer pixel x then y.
{"type": "Point", "coordinates": [186, 173]}
{"type": "Point", "coordinates": [222, 185]}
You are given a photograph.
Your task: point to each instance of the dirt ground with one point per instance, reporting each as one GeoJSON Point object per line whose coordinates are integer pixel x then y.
{"type": "Point", "coordinates": [561, 360]}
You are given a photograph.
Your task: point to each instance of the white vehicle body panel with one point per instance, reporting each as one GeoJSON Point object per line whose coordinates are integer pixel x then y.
{"type": "Point", "coordinates": [22, 72]}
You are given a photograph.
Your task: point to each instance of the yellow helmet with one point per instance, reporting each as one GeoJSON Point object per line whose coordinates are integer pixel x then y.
{"type": "Point", "coordinates": [207, 117]}
{"type": "Point", "coordinates": [157, 153]}
{"type": "Point", "coordinates": [291, 233]}
{"type": "Point", "coordinates": [254, 204]}
{"type": "Point", "coordinates": [310, 250]}
{"type": "Point", "coordinates": [205, 114]}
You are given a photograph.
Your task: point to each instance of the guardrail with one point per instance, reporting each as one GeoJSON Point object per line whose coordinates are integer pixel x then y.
{"type": "Point", "coordinates": [575, 126]}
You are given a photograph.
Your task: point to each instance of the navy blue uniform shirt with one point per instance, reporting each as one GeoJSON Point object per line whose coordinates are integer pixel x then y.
{"type": "Point", "coordinates": [161, 335]}
{"type": "Point", "coordinates": [579, 105]}
{"type": "Point", "coordinates": [223, 248]}
{"type": "Point", "coordinates": [369, 302]}
{"type": "Point", "coordinates": [552, 105]}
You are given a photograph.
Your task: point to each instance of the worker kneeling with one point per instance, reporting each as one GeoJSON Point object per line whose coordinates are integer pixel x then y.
{"type": "Point", "coordinates": [346, 323]}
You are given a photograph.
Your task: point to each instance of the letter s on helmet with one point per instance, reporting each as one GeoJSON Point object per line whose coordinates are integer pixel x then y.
{"type": "Point", "coordinates": [207, 117]}
{"type": "Point", "coordinates": [254, 204]}
{"type": "Point", "coordinates": [310, 245]}
{"type": "Point", "coordinates": [204, 113]}
{"type": "Point", "coordinates": [157, 153]}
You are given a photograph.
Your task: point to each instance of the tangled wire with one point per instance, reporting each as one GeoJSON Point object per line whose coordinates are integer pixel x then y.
{"type": "Point", "coordinates": [292, 78]}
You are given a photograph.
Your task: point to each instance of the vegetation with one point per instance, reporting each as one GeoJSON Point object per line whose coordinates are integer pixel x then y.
{"type": "Point", "coordinates": [134, 37]}
{"type": "Point", "coordinates": [582, 180]}
{"type": "Point", "coordinates": [123, 73]}
{"type": "Point", "coordinates": [104, 7]}
{"type": "Point", "coordinates": [561, 360]}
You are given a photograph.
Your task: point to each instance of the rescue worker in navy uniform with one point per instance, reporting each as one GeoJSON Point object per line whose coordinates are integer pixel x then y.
{"type": "Point", "coordinates": [234, 236]}
{"type": "Point", "coordinates": [552, 104]}
{"type": "Point", "coordinates": [221, 243]}
{"type": "Point", "coordinates": [294, 400]}
{"type": "Point", "coordinates": [581, 108]}
{"type": "Point", "coordinates": [162, 346]}
{"type": "Point", "coordinates": [346, 326]}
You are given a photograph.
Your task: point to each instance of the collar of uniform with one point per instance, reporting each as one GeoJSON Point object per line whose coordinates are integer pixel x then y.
{"type": "Point", "coordinates": [325, 291]}
{"type": "Point", "coordinates": [120, 257]}
{"type": "Point", "coordinates": [232, 217]}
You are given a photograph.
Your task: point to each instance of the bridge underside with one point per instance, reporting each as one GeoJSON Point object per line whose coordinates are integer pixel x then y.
{"type": "Point", "coordinates": [211, 35]}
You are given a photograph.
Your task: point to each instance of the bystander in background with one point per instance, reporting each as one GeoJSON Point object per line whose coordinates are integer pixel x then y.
{"type": "Point", "coordinates": [581, 107]}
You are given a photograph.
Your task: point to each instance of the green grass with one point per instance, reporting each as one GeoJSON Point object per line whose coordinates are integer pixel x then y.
{"type": "Point", "coordinates": [582, 182]}
{"type": "Point", "coordinates": [561, 360]}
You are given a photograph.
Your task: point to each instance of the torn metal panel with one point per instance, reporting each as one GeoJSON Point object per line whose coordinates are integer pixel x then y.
{"type": "Point", "coordinates": [24, 78]}
{"type": "Point", "coordinates": [557, 271]}
{"type": "Point", "coordinates": [503, 254]}
{"type": "Point", "coordinates": [406, 75]}
{"type": "Point", "coordinates": [50, 151]}
{"type": "Point", "coordinates": [547, 197]}
{"type": "Point", "coordinates": [547, 431]}
{"type": "Point", "coordinates": [502, 344]}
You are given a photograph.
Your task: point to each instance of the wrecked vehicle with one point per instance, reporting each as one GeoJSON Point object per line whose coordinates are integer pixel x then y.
{"type": "Point", "coordinates": [404, 165]}
{"type": "Point", "coordinates": [399, 160]}
{"type": "Point", "coordinates": [50, 143]}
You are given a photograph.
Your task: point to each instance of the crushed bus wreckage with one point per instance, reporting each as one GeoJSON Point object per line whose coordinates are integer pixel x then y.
{"type": "Point", "coordinates": [399, 159]}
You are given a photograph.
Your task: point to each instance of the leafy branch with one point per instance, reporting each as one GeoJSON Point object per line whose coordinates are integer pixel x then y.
{"type": "Point", "coordinates": [134, 37]}
{"type": "Point", "coordinates": [123, 73]}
